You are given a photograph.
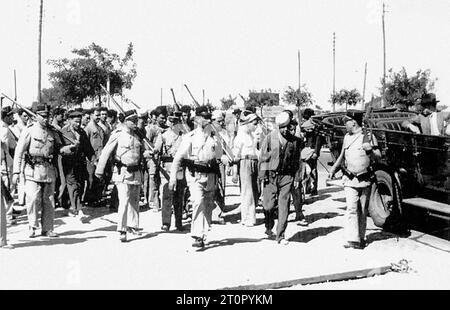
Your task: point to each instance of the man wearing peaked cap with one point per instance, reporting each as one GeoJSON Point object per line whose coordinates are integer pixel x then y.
{"type": "Point", "coordinates": [355, 161]}
{"type": "Point", "coordinates": [245, 150]}
{"type": "Point", "coordinates": [279, 169]}
{"type": "Point", "coordinates": [74, 163]}
{"type": "Point", "coordinates": [127, 152]}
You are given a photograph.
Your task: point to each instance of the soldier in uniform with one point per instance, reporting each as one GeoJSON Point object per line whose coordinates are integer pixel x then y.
{"type": "Point", "coordinates": [39, 146]}
{"type": "Point", "coordinates": [74, 163]}
{"type": "Point", "coordinates": [199, 151]}
{"type": "Point", "coordinates": [279, 170]}
{"type": "Point", "coordinates": [245, 151]}
{"type": "Point", "coordinates": [358, 151]}
{"type": "Point", "coordinates": [166, 146]}
{"type": "Point", "coordinates": [97, 139]}
{"type": "Point", "coordinates": [153, 130]}
{"type": "Point", "coordinates": [127, 150]}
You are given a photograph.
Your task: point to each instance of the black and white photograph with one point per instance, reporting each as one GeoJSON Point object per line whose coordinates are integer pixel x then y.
{"type": "Point", "coordinates": [255, 146]}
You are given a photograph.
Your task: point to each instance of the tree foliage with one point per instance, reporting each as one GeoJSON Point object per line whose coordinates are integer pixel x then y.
{"type": "Point", "coordinates": [299, 97]}
{"type": "Point", "coordinates": [262, 98]}
{"type": "Point", "coordinates": [347, 97]}
{"type": "Point", "coordinates": [54, 97]}
{"type": "Point", "coordinates": [80, 78]}
{"type": "Point", "coordinates": [228, 102]}
{"type": "Point", "coordinates": [404, 90]}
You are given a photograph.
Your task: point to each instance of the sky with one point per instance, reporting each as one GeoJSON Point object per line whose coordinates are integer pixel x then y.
{"type": "Point", "coordinates": [228, 47]}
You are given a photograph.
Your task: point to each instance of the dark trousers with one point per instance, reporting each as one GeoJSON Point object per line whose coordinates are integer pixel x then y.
{"type": "Point", "coordinates": [313, 165]}
{"type": "Point", "coordinates": [173, 199]}
{"type": "Point", "coordinates": [276, 193]}
{"type": "Point", "coordinates": [95, 186]}
{"type": "Point", "coordinates": [75, 185]}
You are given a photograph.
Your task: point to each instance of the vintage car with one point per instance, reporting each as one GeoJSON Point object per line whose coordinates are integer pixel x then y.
{"type": "Point", "coordinates": [414, 169]}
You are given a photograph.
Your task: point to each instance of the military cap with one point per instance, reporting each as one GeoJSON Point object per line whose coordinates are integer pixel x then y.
{"type": "Point", "coordinates": [7, 111]}
{"type": "Point", "coordinates": [186, 109]}
{"type": "Point", "coordinates": [74, 113]}
{"type": "Point", "coordinates": [130, 115]}
{"type": "Point", "coordinates": [143, 115]}
{"type": "Point", "coordinates": [357, 116]}
{"type": "Point", "coordinates": [173, 118]}
{"type": "Point", "coordinates": [203, 112]}
{"type": "Point", "coordinates": [248, 118]}
{"type": "Point", "coordinates": [282, 119]}
{"type": "Point", "coordinates": [42, 108]}
{"type": "Point", "coordinates": [177, 114]}
{"type": "Point", "coordinates": [218, 115]}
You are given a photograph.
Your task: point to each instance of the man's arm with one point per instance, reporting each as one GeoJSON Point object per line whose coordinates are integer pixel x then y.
{"type": "Point", "coordinates": [182, 152]}
{"type": "Point", "coordinates": [106, 153]}
{"type": "Point", "coordinates": [22, 146]}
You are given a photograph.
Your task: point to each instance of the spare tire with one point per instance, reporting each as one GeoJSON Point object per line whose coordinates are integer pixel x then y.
{"type": "Point", "coordinates": [385, 199]}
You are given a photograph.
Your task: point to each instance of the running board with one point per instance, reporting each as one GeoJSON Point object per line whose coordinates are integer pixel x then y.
{"type": "Point", "coordinates": [438, 209]}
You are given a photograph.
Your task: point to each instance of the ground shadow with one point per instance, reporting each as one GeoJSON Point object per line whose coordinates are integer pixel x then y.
{"type": "Point", "coordinates": [44, 241]}
{"type": "Point", "coordinates": [231, 207]}
{"type": "Point", "coordinates": [379, 236]}
{"type": "Point", "coordinates": [227, 242]}
{"type": "Point", "coordinates": [320, 216]}
{"type": "Point", "coordinates": [313, 199]}
{"type": "Point", "coordinates": [79, 232]}
{"type": "Point", "coordinates": [145, 236]}
{"type": "Point", "coordinates": [232, 218]}
{"type": "Point", "coordinates": [310, 234]}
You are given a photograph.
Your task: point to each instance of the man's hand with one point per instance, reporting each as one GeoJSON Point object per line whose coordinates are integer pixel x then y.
{"type": "Point", "coordinates": [15, 179]}
{"type": "Point", "coordinates": [414, 129]}
{"type": "Point", "coordinates": [331, 175]}
{"type": "Point", "coordinates": [235, 179]}
{"type": "Point", "coordinates": [314, 156]}
{"type": "Point", "coordinates": [172, 185]}
{"type": "Point", "coordinates": [367, 147]}
{"type": "Point", "coordinates": [67, 150]}
{"type": "Point", "coordinates": [224, 159]}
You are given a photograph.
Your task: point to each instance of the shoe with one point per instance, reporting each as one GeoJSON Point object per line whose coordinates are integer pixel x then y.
{"type": "Point", "coordinates": [7, 246]}
{"type": "Point", "coordinates": [269, 233]}
{"type": "Point", "coordinates": [123, 236]}
{"type": "Point", "coordinates": [134, 231]}
{"type": "Point", "coordinates": [50, 234]}
{"type": "Point", "coordinates": [249, 225]}
{"type": "Point", "coordinates": [353, 245]}
{"type": "Point", "coordinates": [283, 241]}
{"type": "Point", "coordinates": [180, 228]}
{"type": "Point", "coordinates": [32, 232]}
{"type": "Point", "coordinates": [165, 227]}
{"type": "Point", "coordinates": [198, 243]}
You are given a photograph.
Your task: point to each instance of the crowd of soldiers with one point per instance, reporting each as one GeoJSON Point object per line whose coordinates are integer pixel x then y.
{"type": "Point", "coordinates": [176, 161]}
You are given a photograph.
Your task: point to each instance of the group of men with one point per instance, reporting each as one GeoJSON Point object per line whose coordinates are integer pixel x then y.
{"type": "Point", "coordinates": [177, 161]}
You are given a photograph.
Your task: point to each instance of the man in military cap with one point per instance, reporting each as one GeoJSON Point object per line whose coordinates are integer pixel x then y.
{"type": "Point", "coordinates": [39, 146]}
{"type": "Point", "coordinates": [186, 120]}
{"type": "Point", "coordinates": [153, 130]}
{"type": "Point", "coordinates": [429, 121]}
{"type": "Point", "coordinates": [279, 169]}
{"type": "Point", "coordinates": [97, 138]}
{"type": "Point", "coordinates": [166, 146]}
{"type": "Point", "coordinates": [358, 151]}
{"type": "Point", "coordinates": [74, 163]}
{"type": "Point", "coordinates": [245, 150]}
{"type": "Point", "coordinates": [199, 151]}
{"type": "Point", "coordinates": [127, 150]}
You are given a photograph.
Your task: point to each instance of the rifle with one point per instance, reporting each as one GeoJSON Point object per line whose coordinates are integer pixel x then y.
{"type": "Point", "coordinates": [175, 104]}
{"type": "Point", "coordinates": [146, 141]}
{"type": "Point", "coordinates": [129, 100]}
{"type": "Point", "coordinates": [29, 112]}
{"type": "Point", "coordinates": [225, 147]}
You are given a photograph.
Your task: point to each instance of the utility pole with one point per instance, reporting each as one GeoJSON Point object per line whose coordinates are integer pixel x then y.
{"type": "Point", "coordinates": [161, 96]}
{"type": "Point", "coordinates": [204, 97]}
{"type": "Point", "coordinates": [334, 70]}
{"type": "Point", "coordinates": [299, 90]}
{"type": "Point", "coordinates": [39, 51]}
{"type": "Point", "coordinates": [15, 86]}
{"type": "Point", "coordinates": [383, 103]}
{"type": "Point", "coordinates": [108, 88]}
{"type": "Point", "coordinates": [364, 87]}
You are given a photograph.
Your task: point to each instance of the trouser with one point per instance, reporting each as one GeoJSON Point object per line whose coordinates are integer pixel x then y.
{"type": "Point", "coordinates": [107, 176]}
{"type": "Point", "coordinates": [202, 207]}
{"type": "Point", "coordinates": [357, 207]}
{"type": "Point", "coordinates": [314, 176]}
{"type": "Point", "coordinates": [94, 187]}
{"type": "Point", "coordinates": [277, 191]}
{"type": "Point", "coordinates": [128, 212]}
{"type": "Point", "coordinates": [297, 201]}
{"type": "Point", "coordinates": [21, 190]}
{"type": "Point", "coordinates": [40, 197]}
{"type": "Point", "coordinates": [154, 182]}
{"type": "Point", "coordinates": [74, 183]}
{"type": "Point", "coordinates": [249, 190]}
{"type": "Point", "coordinates": [2, 220]}
{"type": "Point", "coordinates": [172, 199]}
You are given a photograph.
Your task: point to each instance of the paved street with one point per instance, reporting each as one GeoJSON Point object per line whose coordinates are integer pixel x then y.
{"type": "Point", "coordinates": [90, 256]}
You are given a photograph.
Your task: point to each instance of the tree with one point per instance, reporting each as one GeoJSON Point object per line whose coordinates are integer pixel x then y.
{"type": "Point", "coordinates": [404, 90]}
{"type": "Point", "coordinates": [228, 102]}
{"type": "Point", "coordinates": [297, 97]}
{"type": "Point", "coordinates": [347, 97]}
{"type": "Point", "coordinates": [54, 97]}
{"type": "Point", "coordinates": [80, 78]}
{"type": "Point", "coordinates": [262, 98]}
